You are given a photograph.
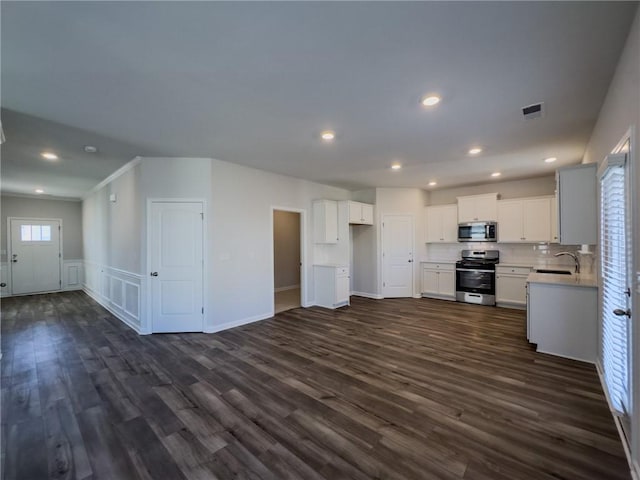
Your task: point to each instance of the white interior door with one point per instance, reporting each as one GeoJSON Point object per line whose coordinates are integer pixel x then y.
{"type": "Point", "coordinates": [176, 266]}
{"type": "Point", "coordinates": [35, 255]}
{"type": "Point", "coordinates": [397, 256]}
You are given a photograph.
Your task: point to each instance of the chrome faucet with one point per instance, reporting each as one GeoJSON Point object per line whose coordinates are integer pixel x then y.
{"type": "Point", "coordinates": [572, 255]}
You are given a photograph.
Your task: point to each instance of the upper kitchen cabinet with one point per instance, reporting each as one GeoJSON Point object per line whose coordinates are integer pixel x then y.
{"type": "Point", "coordinates": [442, 224]}
{"type": "Point", "coordinates": [524, 220]}
{"type": "Point", "coordinates": [325, 221]}
{"type": "Point", "coordinates": [360, 213]}
{"type": "Point", "coordinates": [474, 208]}
{"type": "Point", "coordinates": [577, 205]}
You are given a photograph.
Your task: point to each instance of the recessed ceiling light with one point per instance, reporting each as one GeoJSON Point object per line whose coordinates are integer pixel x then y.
{"type": "Point", "coordinates": [475, 151]}
{"type": "Point", "coordinates": [49, 155]}
{"type": "Point", "coordinates": [39, 190]}
{"type": "Point", "coordinates": [430, 100]}
{"type": "Point", "coordinates": [396, 166]}
{"type": "Point", "coordinates": [328, 135]}
{"type": "Point", "coordinates": [550, 160]}
{"type": "Point", "coordinates": [496, 174]}
{"type": "Point", "coordinates": [90, 149]}
{"type": "Point", "coordinates": [433, 184]}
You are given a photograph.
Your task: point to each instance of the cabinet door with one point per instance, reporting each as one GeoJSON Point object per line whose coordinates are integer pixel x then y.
{"type": "Point", "coordinates": [325, 221]}
{"type": "Point", "coordinates": [367, 213]}
{"type": "Point", "coordinates": [430, 281]}
{"type": "Point", "coordinates": [510, 221]}
{"type": "Point", "coordinates": [577, 206]}
{"type": "Point", "coordinates": [466, 209]}
{"type": "Point", "coordinates": [447, 283]}
{"type": "Point", "coordinates": [486, 208]}
{"type": "Point", "coordinates": [355, 212]}
{"type": "Point", "coordinates": [342, 289]}
{"type": "Point", "coordinates": [434, 224]}
{"type": "Point", "coordinates": [537, 220]}
{"type": "Point", "coordinates": [449, 219]}
{"type": "Point", "coordinates": [511, 289]}
{"type": "Point", "coordinates": [554, 220]}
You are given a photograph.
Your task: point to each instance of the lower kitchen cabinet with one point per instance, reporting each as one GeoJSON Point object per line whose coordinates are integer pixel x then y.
{"type": "Point", "coordinates": [439, 280]}
{"type": "Point", "coordinates": [511, 286]}
{"type": "Point", "coordinates": [331, 285]}
{"type": "Point", "coordinates": [562, 320]}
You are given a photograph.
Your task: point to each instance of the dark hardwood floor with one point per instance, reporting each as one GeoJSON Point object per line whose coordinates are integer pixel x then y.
{"type": "Point", "coordinates": [384, 389]}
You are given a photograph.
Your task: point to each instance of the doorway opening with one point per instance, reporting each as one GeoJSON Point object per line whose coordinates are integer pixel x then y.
{"type": "Point", "coordinates": [35, 255]}
{"type": "Point", "coordinates": [287, 260]}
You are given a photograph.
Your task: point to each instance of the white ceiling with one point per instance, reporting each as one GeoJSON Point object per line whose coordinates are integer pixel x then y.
{"type": "Point", "coordinates": [255, 84]}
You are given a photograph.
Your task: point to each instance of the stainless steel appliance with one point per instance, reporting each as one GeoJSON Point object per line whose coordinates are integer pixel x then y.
{"type": "Point", "coordinates": [476, 277]}
{"type": "Point", "coordinates": [478, 232]}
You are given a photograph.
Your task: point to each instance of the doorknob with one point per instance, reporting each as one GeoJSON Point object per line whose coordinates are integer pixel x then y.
{"type": "Point", "coordinates": [620, 312]}
{"type": "Point", "coordinates": [14, 258]}
{"type": "Point", "coordinates": [154, 274]}
{"type": "Point", "coordinates": [410, 261]}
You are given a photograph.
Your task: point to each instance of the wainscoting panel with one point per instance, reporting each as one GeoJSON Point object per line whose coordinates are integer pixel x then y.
{"type": "Point", "coordinates": [119, 291]}
{"type": "Point", "coordinates": [72, 274]}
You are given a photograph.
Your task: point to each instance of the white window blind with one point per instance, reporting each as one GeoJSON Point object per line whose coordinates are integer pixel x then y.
{"type": "Point", "coordinates": [615, 329]}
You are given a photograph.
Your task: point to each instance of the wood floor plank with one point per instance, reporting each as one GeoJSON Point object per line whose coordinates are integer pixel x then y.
{"type": "Point", "coordinates": [406, 389]}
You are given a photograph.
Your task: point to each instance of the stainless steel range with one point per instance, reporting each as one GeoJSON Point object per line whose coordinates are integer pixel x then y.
{"type": "Point", "coordinates": [476, 277]}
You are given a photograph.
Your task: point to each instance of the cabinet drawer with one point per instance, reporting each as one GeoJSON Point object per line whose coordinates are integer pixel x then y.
{"type": "Point", "coordinates": [342, 271]}
{"type": "Point", "coordinates": [450, 267]}
{"type": "Point", "coordinates": [513, 270]}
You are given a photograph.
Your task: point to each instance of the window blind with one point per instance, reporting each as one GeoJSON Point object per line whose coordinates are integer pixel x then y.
{"type": "Point", "coordinates": [615, 329]}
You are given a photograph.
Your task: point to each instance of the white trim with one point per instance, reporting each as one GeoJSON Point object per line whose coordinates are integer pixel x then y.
{"type": "Point", "coordinates": [374, 296]}
{"type": "Point", "coordinates": [288, 287]}
{"type": "Point", "coordinates": [237, 323]}
{"type": "Point", "coordinates": [146, 325]}
{"type": "Point", "coordinates": [115, 313]}
{"type": "Point", "coordinates": [121, 171]}
{"type": "Point", "coordinates": [67, 274]}
{"type": "Point", "coordinates": [303, 254]}
{"type": "Point", "coordinates": [10, 250]}
{"type": "Point", "coordinates": [437, 297]}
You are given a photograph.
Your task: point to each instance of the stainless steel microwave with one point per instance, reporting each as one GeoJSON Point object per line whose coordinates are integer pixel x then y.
{"type": "Point", "coordinates": [478, 232]}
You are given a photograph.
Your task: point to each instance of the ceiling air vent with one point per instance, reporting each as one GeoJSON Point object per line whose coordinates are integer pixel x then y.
{"type": "Point", "coordinates": [533, 111]}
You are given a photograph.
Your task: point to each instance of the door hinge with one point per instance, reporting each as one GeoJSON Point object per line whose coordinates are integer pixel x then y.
{"type": "Point", "coordinates": [60, 282]}
{"type": "Point", "coordinates": [202, 310]}
{"type": "Point", "coordinates": [59, 228]}
{"type": "Point", "coordinates": [384, 284]}
{"type": "Point", "coordinates": [202, 216]}
{"type": "Point", "coordinates": [59, 255]}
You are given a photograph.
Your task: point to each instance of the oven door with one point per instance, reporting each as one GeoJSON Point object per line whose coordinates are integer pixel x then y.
{"type": "Point", "coordinates": [476, 281]}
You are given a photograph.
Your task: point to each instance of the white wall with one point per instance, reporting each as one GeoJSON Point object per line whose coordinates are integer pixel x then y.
{"type": "Point", "coordinates": [241, 243]}
{"type": "Point", "coordinates": [530, 187]}
{"type": "Point", "coordinates": [286, 249]}
{"type": "Point", "coordinates": [619, 114]}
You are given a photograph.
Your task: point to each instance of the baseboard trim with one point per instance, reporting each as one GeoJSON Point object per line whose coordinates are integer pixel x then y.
{"type": "Point", "coordinates": [438, 297]}
{"type": "Point", "coordinates": [113, 312]}
{"type": "Point", "coordinates": [288, 287]}
{"type": "Point", "coordinates": [633, 466]}
{"type": "Point", "coordinates": [374, 296]}
{"type": "Point", "coordinates": [237, 323]}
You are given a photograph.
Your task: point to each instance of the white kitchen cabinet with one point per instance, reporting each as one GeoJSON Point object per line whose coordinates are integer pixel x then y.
{"type": "Point", "coordinates": [360, 213]}
{"type": "Point", "coordinates": [511, 286]}
{"type": "Point", "coordinates": [524, 220]}
{"type": "Point", "coordinates": [442, 224]}
{"type": "Point", "coordinates": [577, 205]}
{"type": "Point", "coordinates": [331, 285]}
{"type": "Point", "coordinates": [474, 208]}
{"type": "Point", "coordinates": [438, 280]}
{"type": "Point", "coordinates": [554, 220]}
{"type": "Point", "coordinates": [562, 320]}
{"type": "Point", "coordinates": [325, 221]}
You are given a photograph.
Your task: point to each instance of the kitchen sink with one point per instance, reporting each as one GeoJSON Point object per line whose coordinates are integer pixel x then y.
{"type": "Point", "coordinates": [556, 272]}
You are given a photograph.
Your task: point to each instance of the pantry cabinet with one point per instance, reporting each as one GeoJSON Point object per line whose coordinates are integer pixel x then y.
{"type": "Point", "coordinates": [325, 221]}
{"type": "Point", "coordinates": [438, 280]}
{"type": "Point", "coordinates": [360, 213]}
{"type": "Point", "coordinates": [524, 220]}
{"type": "Point", "coordinates": [474, 208]}
{"type": "Point", "coordinates": [442, 224]}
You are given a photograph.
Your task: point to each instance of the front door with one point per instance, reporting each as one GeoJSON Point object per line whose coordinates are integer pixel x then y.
{"type": "Point", "coordinates": [35, 255]}
{"type": "Point", "coordinates": [176, 266]}
{"type": "Point", "coordinates": [397, 256]}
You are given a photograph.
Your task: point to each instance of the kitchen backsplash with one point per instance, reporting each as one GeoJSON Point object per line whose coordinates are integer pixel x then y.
{"type": "Point", "coordinates": [534, 254]}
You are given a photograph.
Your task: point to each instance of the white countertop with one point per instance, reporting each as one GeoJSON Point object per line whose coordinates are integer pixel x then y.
{"type": "Point", "coordinates": [575, 280]}
{"type": "Point", "coordinates": [439, 260]}
{"type": "Point", "coordinates": [331, 265]}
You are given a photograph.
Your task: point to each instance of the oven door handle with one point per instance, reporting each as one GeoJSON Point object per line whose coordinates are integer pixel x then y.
{"type": "Point", "coordinates": [473, 270]}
